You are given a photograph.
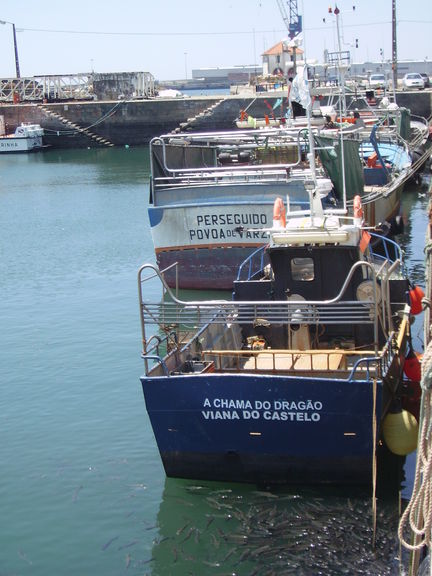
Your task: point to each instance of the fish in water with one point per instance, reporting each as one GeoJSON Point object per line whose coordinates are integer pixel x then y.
{"type": "Point", "coordinates": [24, 557]}
{"type": "Point", "coordinates": [110, 541]}
{"type": "Point", "coordinates": [128, 545]}
{"type": "Point", "coordinates": [182, 528]}
{"type": "Point", "coordinates": [128, 560]}
{"type": "Point", "coordinates": [75, 495]}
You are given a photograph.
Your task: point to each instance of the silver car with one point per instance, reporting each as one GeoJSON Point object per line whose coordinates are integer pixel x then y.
{"type": "Point", "coordinates": [412, 80]}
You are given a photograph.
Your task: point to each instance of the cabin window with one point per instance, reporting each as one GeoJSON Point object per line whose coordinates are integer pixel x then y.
{"type": "Point", "coordinates": [302, 269]}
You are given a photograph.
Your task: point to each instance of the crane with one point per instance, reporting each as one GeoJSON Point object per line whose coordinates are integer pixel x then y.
{"type": "Point", "coordinates": [293, 23]}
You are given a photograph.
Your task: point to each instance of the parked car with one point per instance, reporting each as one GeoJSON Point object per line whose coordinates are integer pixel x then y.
{"type": "Point", "coordinates": [412, 80]}
{"type": "Point", "coordinates": [378, 81]}
{"type": "Point", "coordinates": [426, 80]}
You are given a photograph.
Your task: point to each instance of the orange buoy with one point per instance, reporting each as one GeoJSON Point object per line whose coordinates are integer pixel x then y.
{"type": "Point", "coordinates": [279, 220]}
{"type": "Point", "coordinates": [410, 400]}
{"type": "Point", "coordinates": [372, 160]}
{"type": "Point", "coordinates": [412, 366]}
{"type": "Point", "coordinates": [416, 295]}
{"type": "Point", "coordinates": [357, 207]}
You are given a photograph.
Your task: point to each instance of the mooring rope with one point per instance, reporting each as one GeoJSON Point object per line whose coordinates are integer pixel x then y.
{"type": "Point", "coordinates": [418, 513]}
{"type": "Point", "coordinates": [374, 463]}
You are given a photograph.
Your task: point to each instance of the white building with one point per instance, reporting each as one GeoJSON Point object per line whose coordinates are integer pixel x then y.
{"type": "Point", "coordinates": [279, 59]}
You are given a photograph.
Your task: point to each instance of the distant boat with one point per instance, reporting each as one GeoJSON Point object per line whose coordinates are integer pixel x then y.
{"type": "Point", "coordinates": [171, 93]}
{"type": "Point", "coordinates": [26, 138]}
{"type": "Point", "coordinates": [292, 380]}
{"type": "Point", "coordinates": [207, 187]}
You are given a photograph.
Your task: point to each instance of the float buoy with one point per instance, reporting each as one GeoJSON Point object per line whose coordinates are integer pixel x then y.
{"type": "Point", "coordinates": [416, 295]}
{"type": "Point", "coordinates": [279, 214]}
{"type": "Point", "coordinates": [400, 431]}
{"type": "Point", "coordinates": [357, 210]}
{"type": "Point", "coordinates": [411, 399]}
{"type": "Point", "coordinates": [412, 366]}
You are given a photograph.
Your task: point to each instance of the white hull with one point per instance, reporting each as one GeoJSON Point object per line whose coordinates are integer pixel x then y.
{"type": "Point", "coordinates": [20, 144]}
{"type": "Point", "coordinates": [197, 226]}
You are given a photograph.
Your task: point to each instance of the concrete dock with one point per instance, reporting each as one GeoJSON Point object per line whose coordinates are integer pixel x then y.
{"type": "Point", "coordinates": [82, 124]}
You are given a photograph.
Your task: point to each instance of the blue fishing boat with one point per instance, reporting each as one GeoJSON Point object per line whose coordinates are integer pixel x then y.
{"type": "Point", "coordinates": [291, 380]}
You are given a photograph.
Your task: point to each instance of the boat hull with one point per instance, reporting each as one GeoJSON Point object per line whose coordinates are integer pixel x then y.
{"type": "Point", "coordinates": [204, 268]}
{"type": "Point", "coordinates": [263, 428]}
{"type": "Point", "coordinates": [10, 145]}
{"type": "Point", "coordinates": [209, 240]}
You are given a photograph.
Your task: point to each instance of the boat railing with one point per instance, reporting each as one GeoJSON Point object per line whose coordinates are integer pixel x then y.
{"type": "Point", "coordinates": [253, 264]}
{"type": "Point", "coordinates": [172, 314]}
{"type": "Point", "coordinates": [262, 143]}
{"type": "Point", "coordinates": [261, 174]}
{"type": "Point", "coordinates": [384, 248]}
{"type": "Point", "coordinates": [418, 134]}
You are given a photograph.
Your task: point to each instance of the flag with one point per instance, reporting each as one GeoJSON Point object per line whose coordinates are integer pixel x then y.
{"type": "Point", "coordinates": [365, 239]}
{"type": "Point", "coordinates": [300, 89]}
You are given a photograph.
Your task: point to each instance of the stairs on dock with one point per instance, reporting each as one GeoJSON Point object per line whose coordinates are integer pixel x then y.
{"type": "Point", "coordinates": [75, 127]}
{"type": "Point", "coordinates": [199, 120]}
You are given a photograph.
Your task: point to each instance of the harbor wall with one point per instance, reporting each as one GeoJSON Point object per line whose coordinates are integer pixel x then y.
{"type": "Point", "coordinates": [134, 122]}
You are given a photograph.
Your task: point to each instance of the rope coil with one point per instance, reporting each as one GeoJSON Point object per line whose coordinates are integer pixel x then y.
{"type": "Point", "coordinates": [418, 513]}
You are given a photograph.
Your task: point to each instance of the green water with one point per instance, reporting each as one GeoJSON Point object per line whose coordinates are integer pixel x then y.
{"type": "Point", "coordinates": [82, 489]}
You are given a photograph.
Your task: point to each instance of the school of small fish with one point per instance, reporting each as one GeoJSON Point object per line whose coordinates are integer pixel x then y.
{"type": "Point", "coordinates": [238, 532]}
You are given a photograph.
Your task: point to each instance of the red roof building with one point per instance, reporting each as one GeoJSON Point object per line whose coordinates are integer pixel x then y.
{"type": "Point", "coordinates": [278, 60]}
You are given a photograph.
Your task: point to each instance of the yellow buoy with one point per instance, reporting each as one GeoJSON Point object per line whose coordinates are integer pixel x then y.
{"type": "Point", "coordinates": [400, 431]}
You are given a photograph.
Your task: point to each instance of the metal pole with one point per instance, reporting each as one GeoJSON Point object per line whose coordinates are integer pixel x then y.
{"type": "Point", "coordinates": [16, 53]}
{"type": "Point", "coordinates": [394, 46]}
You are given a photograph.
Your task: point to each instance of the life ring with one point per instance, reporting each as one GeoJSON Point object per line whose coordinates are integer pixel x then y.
{"type": "Point", "coordinates": [279, 220]}
{"type": "Point", "coordinates": [357, 208]}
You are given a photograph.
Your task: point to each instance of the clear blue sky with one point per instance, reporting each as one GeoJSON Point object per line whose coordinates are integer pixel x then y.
{"type": "Point", "coordinates": [171, 37]}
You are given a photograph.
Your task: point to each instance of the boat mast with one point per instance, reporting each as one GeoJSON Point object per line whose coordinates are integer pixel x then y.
{"type": "Point", "coordinates": [342, 101]}
{"type": "Point", "coordinates": [340, 66]}
{"type": "Point", "coordinates": [394, 49]}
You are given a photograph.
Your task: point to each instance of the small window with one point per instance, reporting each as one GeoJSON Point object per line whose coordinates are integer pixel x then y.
{"type": "Point", "coordinates": [302, 269]}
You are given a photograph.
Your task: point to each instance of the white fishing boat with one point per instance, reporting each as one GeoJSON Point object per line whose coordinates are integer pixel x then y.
{"type": "Point", "coordinates": [26, 138]}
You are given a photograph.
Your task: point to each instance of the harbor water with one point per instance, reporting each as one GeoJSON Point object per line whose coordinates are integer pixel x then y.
{"type": "Point", "coordinates": [82, 488]}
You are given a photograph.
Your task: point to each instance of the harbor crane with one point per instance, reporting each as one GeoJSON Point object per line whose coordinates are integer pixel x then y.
{"type": "Point", "coordinates": [293, 22]}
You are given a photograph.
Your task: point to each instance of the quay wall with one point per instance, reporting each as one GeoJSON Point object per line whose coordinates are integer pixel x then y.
{"type": "Point", "coordinates": [135, 122]}
{"type": "Point", "coordinates": [79, 124]}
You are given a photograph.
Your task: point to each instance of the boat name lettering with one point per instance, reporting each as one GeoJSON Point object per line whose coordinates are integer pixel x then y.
{"type": "Point", "coordinates": [221, 234]}
{"type": "Point", "coordinates": [256, 415]}
{"type": "Point", "coordinates": [292, 416]}
{"type": "Point", "coordinates": [237, 219]}
{"type": "Point", "coordinates": [283, 410]}
{"type": "Point", "coordinates": [242, 404]}
{"type": "Point", "coordinates": [229, 403]}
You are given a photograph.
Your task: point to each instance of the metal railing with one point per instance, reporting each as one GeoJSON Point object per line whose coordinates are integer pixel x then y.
{"type": "Point", "coordinates": [254, 141]}
{"type": "Point", "coordinates": [172, 314]}
{"type": "Point", "coordinates": [66, 87]}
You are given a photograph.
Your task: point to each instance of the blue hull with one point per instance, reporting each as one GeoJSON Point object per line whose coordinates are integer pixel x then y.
{"type": "Point", "coordinates": [263, 428]}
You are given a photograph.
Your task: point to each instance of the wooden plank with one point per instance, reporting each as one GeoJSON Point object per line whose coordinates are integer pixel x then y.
{"type": "Point", "coordinates": [300, 361]}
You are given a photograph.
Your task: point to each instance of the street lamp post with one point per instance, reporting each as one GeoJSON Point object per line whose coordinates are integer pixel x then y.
{"type": "Point", "coordinates": [185, 62]}
{"type": "Point", "coordinates": [17, 69]}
